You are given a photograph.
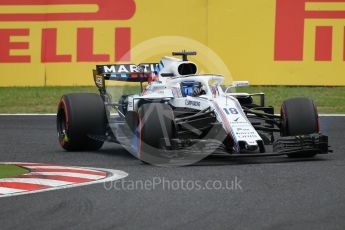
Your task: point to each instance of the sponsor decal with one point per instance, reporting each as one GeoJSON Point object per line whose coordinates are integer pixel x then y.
{"type": "Point", "coordinates": [49, 54]}
{"type": "Point", "coordinates": [192, 103]}
{"type": "Point", "coordinates": [84, 40]}
{"type": "Point", "coordinates": [128, 72]}
{"type": "Point", "coordinates": [246, 135]}
{"type": "Point", "coordinates": [103, 10]}
{"type": "Point", "coordinates": [99, 81]}
{"type": "Point", "coordinates": [235, 123]}
{"type": "Point", "coordinates": [244, 129]}
{"type": "Point", "coordinates": [128, 68]}
{"type": "Point", "coordinates": [243, 132]}
{"type": "Point", "coordinates": [290, 28]}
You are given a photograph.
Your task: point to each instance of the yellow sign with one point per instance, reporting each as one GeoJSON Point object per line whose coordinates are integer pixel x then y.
{"type": "Point", "coordinates": [268, 42]}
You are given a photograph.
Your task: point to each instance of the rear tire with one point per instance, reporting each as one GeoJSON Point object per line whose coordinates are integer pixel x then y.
{"type": "Point", "coordinates": [299, 117]}
{"type": "Point", "coordinates": [80, 115]}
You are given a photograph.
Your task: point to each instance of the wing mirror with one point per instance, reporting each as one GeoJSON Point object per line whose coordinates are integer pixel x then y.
{"type": "Point", "coordinates": [236, 84]}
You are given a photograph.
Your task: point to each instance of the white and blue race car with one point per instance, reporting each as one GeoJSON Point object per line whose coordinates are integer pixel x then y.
{"type": "Point", "coordinates": [180, 117]}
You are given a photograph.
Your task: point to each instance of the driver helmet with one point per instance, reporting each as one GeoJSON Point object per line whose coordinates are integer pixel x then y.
{"type": "Point", "coordinates": [192, 88]}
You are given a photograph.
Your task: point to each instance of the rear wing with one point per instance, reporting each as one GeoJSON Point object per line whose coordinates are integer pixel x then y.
{"type": "Point", "coordinates": [127, 72]}
{"type": "Point", "coordinates": [124, 72]}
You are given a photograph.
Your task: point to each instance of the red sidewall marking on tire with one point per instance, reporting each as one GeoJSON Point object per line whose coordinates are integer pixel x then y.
{"type": "Point", "coordinates": [66, 111]}
{"type": "Point", "coordinates": [62, 102]}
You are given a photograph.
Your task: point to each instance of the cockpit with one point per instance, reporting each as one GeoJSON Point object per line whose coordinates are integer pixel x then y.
{"type": "Point", "coordinates": [192, 88]}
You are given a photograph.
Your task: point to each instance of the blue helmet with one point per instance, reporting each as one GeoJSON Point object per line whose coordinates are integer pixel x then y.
{"type": "Point", "coordinates": [188, 87]}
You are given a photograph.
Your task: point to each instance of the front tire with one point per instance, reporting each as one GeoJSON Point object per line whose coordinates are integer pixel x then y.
{"type": "Point", "coordinates": [79, 116]}
{"type": "Point", "coordinates": [299, 117]}
{"type": "Point", "coordinates": [155, 122]}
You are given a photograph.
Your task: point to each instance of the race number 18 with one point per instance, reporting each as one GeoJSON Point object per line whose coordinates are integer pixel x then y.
{"type": "Point", "coordinates": [230, 111]}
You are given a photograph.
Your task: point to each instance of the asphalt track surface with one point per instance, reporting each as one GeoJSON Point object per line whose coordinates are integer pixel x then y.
{"type": "Point", "coordinates": [274, 193]}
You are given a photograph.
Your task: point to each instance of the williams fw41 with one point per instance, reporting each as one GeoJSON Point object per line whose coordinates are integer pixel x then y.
{"type": "Point", "coordinates": [180, 117]}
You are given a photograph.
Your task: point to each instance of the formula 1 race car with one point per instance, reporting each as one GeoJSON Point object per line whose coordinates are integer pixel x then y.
{"type": "Point", "coordinates": [181, 116]}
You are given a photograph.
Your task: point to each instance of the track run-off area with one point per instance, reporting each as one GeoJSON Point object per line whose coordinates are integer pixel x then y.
{"type": "Point", "coordinates": [216, 193]}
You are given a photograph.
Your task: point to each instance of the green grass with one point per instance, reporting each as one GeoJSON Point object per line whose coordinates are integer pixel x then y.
{"type": "Point", "coordinates": [11, 171]}
{"type": "Point", "coordinates": [327, 99]}
{"type": "Point", "coordinates": [35, 99]}
{"type": "Point", "coordinates": [45, 99]}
